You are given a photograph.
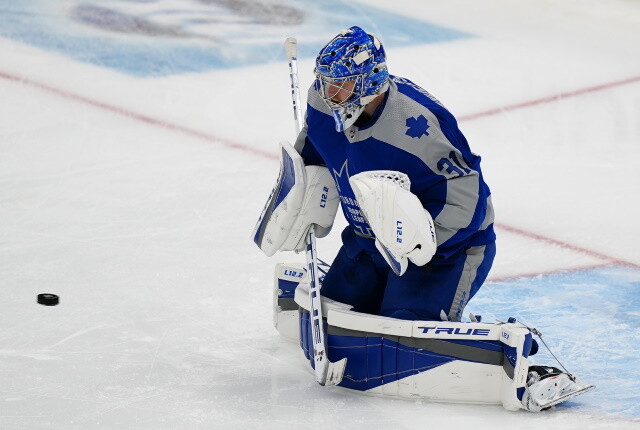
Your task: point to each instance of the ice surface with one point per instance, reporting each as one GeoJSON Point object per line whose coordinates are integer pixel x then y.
{"type": "Point", "coordinates": [133, 195]}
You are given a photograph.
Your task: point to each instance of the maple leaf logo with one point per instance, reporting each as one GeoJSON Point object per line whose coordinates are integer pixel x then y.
{"type": "Point", "coordinates": [417, 126]}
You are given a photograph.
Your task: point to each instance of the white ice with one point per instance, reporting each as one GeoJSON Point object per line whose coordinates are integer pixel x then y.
{"type": "Point", "coordinates": [133, 199]}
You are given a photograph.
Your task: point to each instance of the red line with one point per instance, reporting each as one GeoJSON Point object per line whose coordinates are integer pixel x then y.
{"type": "Point", "coordinates": [548, 272]}
{"type": "Point", "coordinates": [140, 117]}
{"type": "Point", "coordinates": [271, 155]}
{"type": "Point", "coordinates": [565, 245]}
{"type": "Point", "coordinates": [549, 99]}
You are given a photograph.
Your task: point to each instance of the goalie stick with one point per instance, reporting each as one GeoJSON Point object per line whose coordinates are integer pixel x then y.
{"type": "Point", "coordinates": [327, 372]}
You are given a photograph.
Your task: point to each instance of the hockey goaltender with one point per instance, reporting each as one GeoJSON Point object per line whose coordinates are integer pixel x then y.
{"type": "Point", "coordinates": [386, 317]}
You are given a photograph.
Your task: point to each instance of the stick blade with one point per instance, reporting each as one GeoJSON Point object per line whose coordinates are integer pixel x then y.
{"type": "Point", "coordinates": [335, 373]}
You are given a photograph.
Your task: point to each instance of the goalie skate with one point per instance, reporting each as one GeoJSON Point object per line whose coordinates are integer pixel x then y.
{"type": "Point", "coordinates": [548, 386]}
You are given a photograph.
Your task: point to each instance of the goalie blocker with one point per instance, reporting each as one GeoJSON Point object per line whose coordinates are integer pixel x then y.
{"type": "Point", "coordinates": [302, 196]}
{"type": "Point", "coordinates": [432, 360]}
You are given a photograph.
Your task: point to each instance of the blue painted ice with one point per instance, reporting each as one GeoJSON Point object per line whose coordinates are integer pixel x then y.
{"type": "Point", "coordinates": [590, 320]}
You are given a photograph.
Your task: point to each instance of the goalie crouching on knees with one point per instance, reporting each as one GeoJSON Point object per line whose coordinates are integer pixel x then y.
{"type": "Point", "coordinates": [420, 240]}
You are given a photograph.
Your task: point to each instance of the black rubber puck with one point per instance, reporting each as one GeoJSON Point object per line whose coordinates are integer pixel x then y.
{"type": "Point", "coordinates": [48, 299]}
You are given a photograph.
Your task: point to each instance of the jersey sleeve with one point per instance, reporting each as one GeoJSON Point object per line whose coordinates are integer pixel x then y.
{"type": "Point", "coordinates": [305, 148]}
{"type": "Point", "coordinates": [466, 216]}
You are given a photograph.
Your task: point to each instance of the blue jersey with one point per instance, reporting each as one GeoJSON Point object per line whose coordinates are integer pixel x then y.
{"type": "Point", "coordinates": [413, 133]}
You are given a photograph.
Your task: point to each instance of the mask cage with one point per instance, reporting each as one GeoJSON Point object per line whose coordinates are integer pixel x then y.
{"type": "Point", "coordinates": [326, 83]}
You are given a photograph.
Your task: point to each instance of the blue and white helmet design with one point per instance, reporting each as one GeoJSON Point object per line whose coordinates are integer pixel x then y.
{"type": "Point", "coordinates": [352, 56]}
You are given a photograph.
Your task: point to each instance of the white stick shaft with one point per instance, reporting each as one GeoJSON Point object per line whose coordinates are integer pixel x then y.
{"type": "Point", "coordinates": [291, 47]}
{"type": "Point", "coordinates": [317, 327]}
{"type": "Point", "coordinates": [327, 373]}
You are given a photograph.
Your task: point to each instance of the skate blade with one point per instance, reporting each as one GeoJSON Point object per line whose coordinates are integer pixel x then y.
{"type": "Point", "coordinates": [575, 393]}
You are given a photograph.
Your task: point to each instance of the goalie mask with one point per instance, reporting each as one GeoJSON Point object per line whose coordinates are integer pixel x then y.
{"type": "Point", "coordinates": [350, 72]}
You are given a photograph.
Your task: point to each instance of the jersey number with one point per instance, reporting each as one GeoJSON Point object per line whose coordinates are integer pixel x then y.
{"type": "Point", "coordinates": [453, 165]}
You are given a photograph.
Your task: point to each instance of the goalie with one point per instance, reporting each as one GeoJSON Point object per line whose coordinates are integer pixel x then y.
{"type": "Point", "coordinates": [420, 240]}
